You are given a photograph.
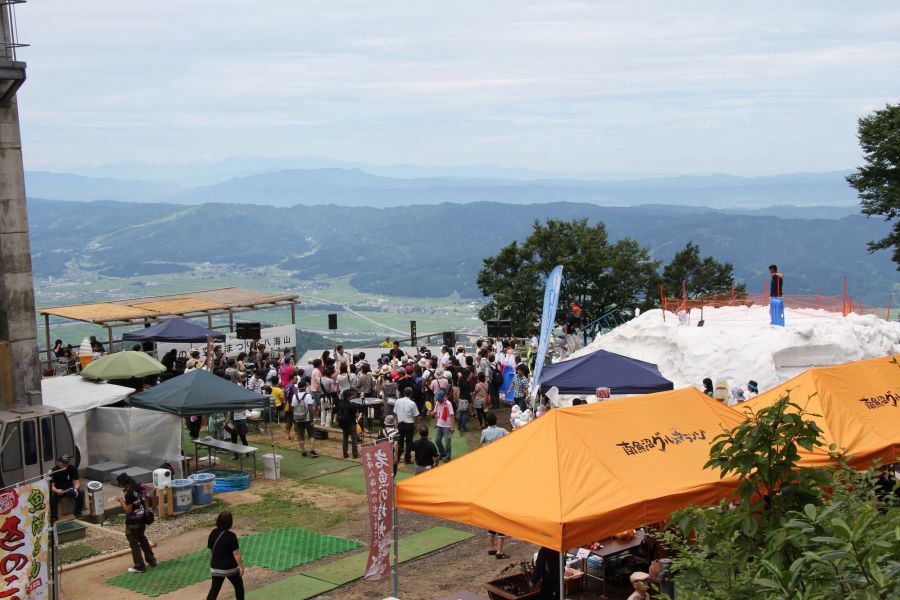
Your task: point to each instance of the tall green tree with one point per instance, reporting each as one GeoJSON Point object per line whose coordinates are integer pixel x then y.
{"type": "Point", "coordinates": [703, 276]}
{"type": "Point", "coordinates": [597, 275]}
{"type": "Point", "coordinates": [878, 180]}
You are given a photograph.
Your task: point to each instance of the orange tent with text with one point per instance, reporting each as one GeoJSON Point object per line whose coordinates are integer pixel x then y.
{"type": "Point", "coordinates": [582, 473]}
{"type": "Point", "coordinates": [858, 408]}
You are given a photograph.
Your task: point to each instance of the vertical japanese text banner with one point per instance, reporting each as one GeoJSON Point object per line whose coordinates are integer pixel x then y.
{"type": "Point", "coordinates": [378, 472]}
{"type": "Point", "coordinates": [548, 318]}
{"type": "Point", "coordinates": [24, 555]}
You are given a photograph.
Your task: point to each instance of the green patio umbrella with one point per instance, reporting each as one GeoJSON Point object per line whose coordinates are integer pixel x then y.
{"type": "Point", "coordinates": [123, 365]}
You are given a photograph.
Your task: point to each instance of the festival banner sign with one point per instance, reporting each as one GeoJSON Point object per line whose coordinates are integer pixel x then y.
{"type": "Point", "coordinates": [548, 318]}
{"type": "Point", "coordinates": [24, 554]}
{"type": "Point", "coordinates": [378, 473]}
{"type": "Point", "coordinates": [275, 338]}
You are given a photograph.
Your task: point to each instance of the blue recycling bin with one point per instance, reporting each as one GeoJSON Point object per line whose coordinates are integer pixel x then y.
{"type": "Point", "coordinates": [776, 311]}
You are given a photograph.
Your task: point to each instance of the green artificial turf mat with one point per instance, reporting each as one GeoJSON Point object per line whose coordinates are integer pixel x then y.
{"type": "Point", "coordinates": [278, 550]}
{"type": "Point", "coordinates": [348, 479]}
{"type": "Point", "coordinates": [350, 568]}
{"type": "Point", "coordinates": [298, 587]}
{"type": "Point", "coordinates": [341, 571]}
{"type": "Point", "coordinates": [168, 576]}
{"type": "Point", "coordinates": [286, 548]}
{"type": "Point", "coordinates": [423, 542]}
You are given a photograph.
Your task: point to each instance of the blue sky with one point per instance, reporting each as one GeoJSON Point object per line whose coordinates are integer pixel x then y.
{"type": "Point", "coordinates": [746, 88]}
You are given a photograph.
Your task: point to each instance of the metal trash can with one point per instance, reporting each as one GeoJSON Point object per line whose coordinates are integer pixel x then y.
{"type": "Point", "coordinates": [95, 501]}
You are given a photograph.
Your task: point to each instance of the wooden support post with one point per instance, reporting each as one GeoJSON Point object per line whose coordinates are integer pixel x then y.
{"type": "Point", "coordinates": [230, 320]}
{"type": "Point", "coordinates": [47, 334]}
{"type": "Point", "coordinates": [890, 301]}
{"type": "Point", "coordinates": [109, 331]}
{"type": "Point", "coordinates": [294, 323]}
{"type": "Point", "coordinates": [844, 303]}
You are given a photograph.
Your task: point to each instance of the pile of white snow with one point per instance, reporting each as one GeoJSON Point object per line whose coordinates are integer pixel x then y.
{"type": "Point", "coordinates": [739, 344]}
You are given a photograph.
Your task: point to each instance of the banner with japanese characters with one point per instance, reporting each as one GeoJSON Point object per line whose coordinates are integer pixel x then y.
{"type": "Point", "coordinates": [378, 473]}
{"type": "Point", "coordinates": [275, 338]}
{"type": "Point", "coordinates": [24, 554]}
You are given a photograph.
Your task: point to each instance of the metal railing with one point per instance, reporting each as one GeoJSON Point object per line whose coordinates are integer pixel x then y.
{"type": "Point", "coordinates": [605, 324]}
{"type": "Point", "coordinates": [10, 29]}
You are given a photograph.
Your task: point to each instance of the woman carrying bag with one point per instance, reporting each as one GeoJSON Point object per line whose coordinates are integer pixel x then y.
{"type": "Point", "coordinates": [225, 558]}
{"type": "Point", "coordinates": [136, 520]}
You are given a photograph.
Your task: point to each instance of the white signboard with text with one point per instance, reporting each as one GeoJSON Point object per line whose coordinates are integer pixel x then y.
{"type": "Point", "coordinates": [275, 338]}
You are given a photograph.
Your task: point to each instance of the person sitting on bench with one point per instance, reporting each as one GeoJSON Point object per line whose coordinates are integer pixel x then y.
{"type": "Point", "coordinates": [64, 482]}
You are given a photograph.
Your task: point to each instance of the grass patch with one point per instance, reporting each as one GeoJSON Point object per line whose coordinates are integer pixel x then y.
{"type": "Point", "coordinates": [76, 552]}
{"type": "Point", "coordinates": [279, 509]}
{"type": "Point", "coordinates": [204, 524]}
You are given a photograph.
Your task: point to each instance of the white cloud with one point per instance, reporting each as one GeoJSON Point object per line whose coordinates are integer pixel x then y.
{"type": "Point", "coordinates": [577, 84]}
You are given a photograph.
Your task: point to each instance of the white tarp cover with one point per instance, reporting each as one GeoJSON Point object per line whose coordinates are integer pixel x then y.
{"type": "Point", "coordinates": [77, 396]}
{"type": "Point", "coordinates": [135, 437]}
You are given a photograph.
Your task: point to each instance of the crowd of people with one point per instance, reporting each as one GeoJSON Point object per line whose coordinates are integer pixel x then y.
{"type": "Point", "coordinates": [455, 387]}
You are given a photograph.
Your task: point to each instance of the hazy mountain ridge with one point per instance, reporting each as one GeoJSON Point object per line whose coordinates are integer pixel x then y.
{"type": "Point", "coordinates": [357, 187]}
{"type": "Point", "coordinates": [434, 250]}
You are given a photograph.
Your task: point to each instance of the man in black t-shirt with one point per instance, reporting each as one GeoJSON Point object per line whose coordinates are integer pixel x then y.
{"type": "Point", "coordinates": [64, 482]}
{"type": "Point", "coordinates": [426, 452]}
{"type": "Point", "coordinates": [776, 284]}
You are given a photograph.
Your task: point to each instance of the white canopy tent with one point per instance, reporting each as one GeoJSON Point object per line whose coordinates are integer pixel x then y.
{"type": "Point", "coordinates": [78, 396]}
{"type": "Point", "coordinates": [104, 433]}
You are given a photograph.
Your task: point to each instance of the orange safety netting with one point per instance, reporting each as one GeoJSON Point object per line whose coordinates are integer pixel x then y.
{"type": "Point", "coordinates": [842, 305]}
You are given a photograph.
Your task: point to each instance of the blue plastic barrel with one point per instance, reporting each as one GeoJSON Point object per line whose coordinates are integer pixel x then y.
{"type": "Point", "coordinates": [182, 495]}
{"type": "Point", "coordinates": [203, 488]}
{"type": "Point", "coordinates": [776, 311]}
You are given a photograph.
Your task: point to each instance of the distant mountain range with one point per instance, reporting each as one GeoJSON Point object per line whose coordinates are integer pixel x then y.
{"type": "Point", "coordinates": [356, 187]}
{"type": "Point", "coordinates": [434, 249]}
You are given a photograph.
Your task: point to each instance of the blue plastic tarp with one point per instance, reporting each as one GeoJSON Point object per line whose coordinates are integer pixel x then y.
{"type": "Point", "coordinates": [623, 375]}
{"type": "Point", "coordinates": [174, 331]}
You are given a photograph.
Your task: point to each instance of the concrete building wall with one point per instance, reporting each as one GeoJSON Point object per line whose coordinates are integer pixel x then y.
{"type": "Point", "coordinates": [20, 371]}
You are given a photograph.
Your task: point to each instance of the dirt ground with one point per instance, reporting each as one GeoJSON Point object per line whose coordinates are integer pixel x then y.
{"type": "Point", "coordinates": [465, 566]}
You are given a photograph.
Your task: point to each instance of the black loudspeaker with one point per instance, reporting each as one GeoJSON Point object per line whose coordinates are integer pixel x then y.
{"type": "Point", "coordinates": [492, 331]}
{"type": "Point", "coordinates": [332, 321]}
{"type": "Point", "coordinates": [499, 329]}
{"type": "Point", "coordinates": [450, 338]}
{"type": "Point", "coordinates": [247, 331]}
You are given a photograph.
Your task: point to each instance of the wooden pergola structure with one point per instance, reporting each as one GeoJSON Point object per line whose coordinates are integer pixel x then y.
{"type": "Point", "coordinates": [152, 309]}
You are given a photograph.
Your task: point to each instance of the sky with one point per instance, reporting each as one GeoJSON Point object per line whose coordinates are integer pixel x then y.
{"type": "Point", "coordinates": [747, 88]}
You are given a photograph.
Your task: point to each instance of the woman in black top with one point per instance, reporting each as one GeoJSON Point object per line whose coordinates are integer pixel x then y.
{"type": "Point", "coordinates": [226, 558]}
{"type": "Point", "coordinates": [132, 503]}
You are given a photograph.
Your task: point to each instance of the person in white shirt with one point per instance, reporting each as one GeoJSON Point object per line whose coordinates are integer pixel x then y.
{"type": "Point", "coordinates": [406, 412]}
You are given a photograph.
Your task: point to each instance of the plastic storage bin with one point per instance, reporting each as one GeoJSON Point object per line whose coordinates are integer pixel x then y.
{"type": "Point", "coordinates": [272, 464]}
{"type": "Point", "coordinates": [203, 488]}
{"type": "Point", "coordinates": [182, 495]}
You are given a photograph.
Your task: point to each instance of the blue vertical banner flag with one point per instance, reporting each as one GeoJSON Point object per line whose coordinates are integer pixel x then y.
{"type": "Point", "coordinates": [548, 318]}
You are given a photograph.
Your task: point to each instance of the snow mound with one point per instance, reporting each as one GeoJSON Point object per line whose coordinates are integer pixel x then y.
{"type": "Point", "coordinates": [739, 344]}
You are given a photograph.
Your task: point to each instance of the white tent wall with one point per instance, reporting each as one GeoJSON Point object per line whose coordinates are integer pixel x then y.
{"type": "Point", "coordinates": [79, 397]}
{"type": "Point", "coordinates": [135, 437]}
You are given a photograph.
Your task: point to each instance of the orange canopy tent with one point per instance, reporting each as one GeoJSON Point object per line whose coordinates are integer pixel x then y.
{"type": "Point", "coordinates": [579, 474]}
{"type": "Point", "coordinates": [857, 404]}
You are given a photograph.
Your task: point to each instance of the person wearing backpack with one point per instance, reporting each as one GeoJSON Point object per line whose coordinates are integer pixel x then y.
{"type": "Point", "coordinates": [290, 394]}
{"type": "Point", "coordinates": [302, 405]}
{"type": "Point", "coordinates": [132, 503]}
{"type": "Point", "coordinates": [495, 381]}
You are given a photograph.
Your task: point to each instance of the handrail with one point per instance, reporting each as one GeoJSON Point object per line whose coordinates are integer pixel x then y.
{"type": "Point", "coordinates": [607, 322]}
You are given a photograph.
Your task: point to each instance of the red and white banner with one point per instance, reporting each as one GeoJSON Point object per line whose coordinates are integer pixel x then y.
{"type": "Point", "coordinates": [24, 556]}
{"type": "Point", "coordinates": [378, 473]}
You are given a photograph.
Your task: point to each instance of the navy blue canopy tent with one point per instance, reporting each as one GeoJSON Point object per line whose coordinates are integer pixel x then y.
{"type": "Point", "coordinates": [173, 331]}
{"type": "Point", "coordinates": [623, 375]}
{"type": "Point", "coordinates": [198, 393]}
